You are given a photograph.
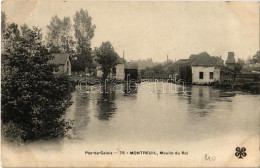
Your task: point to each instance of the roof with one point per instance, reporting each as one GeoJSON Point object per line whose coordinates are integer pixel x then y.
{"type": "Point", "coordinates": [60, 58]}
{"type": "Point", "coordinates": [203, 59]}
{"type": "Point", "coordinates": [182, 61]}
{"type": "Point", "coordinates": [193, 57]}
{"type": "Point", "coordinates": [218, 60]}
{"type": "Point", "coordinates": [131, 65]}
{"type": "Point", "coordinates": [168, 64]}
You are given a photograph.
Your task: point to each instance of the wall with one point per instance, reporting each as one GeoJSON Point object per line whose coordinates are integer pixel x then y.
{"type": "Point", "coordinates": [120, 71]}
{"type": "Point", "coordinates": [131, 74]}
{"type": "Point", "coordinates": [216, 75]}
{"type": "Point", "coordinates": [63, 69]}
{"type": "Point", "coordinates": [206, 71]}
{"type": "Point", "coordinates": [185, 73]}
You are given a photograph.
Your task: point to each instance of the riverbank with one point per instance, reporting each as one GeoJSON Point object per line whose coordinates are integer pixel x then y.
{"type": "Point", "coordinates": [244, 87]}
{"type": "Point", "coordinates": [253, 87]}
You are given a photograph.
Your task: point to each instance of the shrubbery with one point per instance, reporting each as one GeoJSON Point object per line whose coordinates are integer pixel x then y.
{"type": "Point", "coordinates": [33, 98]}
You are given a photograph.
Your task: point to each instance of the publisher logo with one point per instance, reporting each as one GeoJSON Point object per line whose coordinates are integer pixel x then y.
{"type": "Point", "coordinates": [240, 152]}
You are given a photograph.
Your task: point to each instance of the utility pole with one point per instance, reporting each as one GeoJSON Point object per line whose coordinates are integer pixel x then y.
{"type": "Point", "coordinates": [167, 58]}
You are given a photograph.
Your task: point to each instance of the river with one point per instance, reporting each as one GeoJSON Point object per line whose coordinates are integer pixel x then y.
{"type": "Point", "coordinates": [204, 124]}
{"type": "Point", "coordinates": [160, 114]}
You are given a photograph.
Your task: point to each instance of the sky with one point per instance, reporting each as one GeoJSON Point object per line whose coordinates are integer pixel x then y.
{"type": "Point", "coordinates": [150, 29]}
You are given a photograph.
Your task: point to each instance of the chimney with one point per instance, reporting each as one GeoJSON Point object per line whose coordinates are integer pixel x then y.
{"type": "Point", "coordinates": [230, 60]}
{"type": "Point", "coordinates": [231, 57]}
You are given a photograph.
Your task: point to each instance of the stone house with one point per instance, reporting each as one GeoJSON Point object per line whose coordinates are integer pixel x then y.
{"type": "Point", "coordinates": [206, 69]}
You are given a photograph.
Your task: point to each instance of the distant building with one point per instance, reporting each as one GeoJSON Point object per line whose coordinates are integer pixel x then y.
{"type": "Point", "coordinates": [121, 70]}
{"type": "Point", "coordinates": [64, 62]}
{"type": "Point", "coordinates": [198, 69]}
{"type": "Point", "coordinates": [131, 70]}
{"type": "Point", "coordinates": [116, 73]}
{"type": "Point", "coordinates": [230, 62]}
{"type": "Point", "coordinates": [206, 69]}
{"type": "Point", "coordinates": [182, 70]}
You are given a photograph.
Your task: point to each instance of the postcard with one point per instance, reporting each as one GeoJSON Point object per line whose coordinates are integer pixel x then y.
{"type": "Point", "coordinates": [130, 83]}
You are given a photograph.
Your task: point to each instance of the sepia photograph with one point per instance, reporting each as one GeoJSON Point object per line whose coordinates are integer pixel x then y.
{"type": "Point", "coordinates": [130, 83]}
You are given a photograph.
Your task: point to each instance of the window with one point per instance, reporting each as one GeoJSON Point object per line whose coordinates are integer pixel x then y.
{"type": "Point", "coordinates": [211, 75]}
{"type": "Point", "coordinates": [201, 75]}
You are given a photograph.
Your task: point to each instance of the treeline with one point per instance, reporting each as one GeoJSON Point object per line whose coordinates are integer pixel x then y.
{"type": "Point", "coordinates": [142, 64]}
{"type": "Point", "coordinates": [255, 59]}
{"type": "Point", "coordinates": [148, 63]}
{"type": "Point", "coordinates": [160, 70]}
{"type": "Point", "coordinates": [63, 36]}
{"type": "Point", "coordinates": [248, 65]}
{"type": "Point", "coordinates": [252, 64]}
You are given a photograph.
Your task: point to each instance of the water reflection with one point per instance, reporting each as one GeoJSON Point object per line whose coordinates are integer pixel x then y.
{"type": "Point", "coordinates": [106, 101]}
{"type": "Point", "coordinates": [130, 89]}
{"type": "Point", "coordinates": [79, 114]}
{"type": "Point", "coordinates": [202, 100]}
{"type": "Point", "coordinates": [106, 105]}
{"type": "Point", "coordinates": [112, 116]}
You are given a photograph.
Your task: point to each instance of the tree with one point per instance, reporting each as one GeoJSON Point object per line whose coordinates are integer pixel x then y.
{"type": "Point", "coordinates": [158, 69]}
{"type": "Point", "coordinates": [84, 32]}
{"type": "Point", "coordinates": [3, 28]}
{"type": "Point", "coordinates": [66, 37]}
{"type": "Point", "coordinates": [54, 35]}
{"type": "Point", "coordinates": [238, 67]}
{"type": "Point", "coordinates": [33, 99]}
{"type": "Point", "coordinates": [256, 57]}
{"type": "Point", "coordinates": [106, 57]}
{"type": "Point", "coordinates": [59, 38]}
{"type": "Point", "coordinates": [3, 22]}
{"type": "Point", "coordinates": [241, 61]}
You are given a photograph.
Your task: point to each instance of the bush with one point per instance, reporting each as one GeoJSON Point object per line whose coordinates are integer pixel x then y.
{"type": "Point", "coordinates": [33, 99]}
{"type": "Point", "coordinates": [11, 132]}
